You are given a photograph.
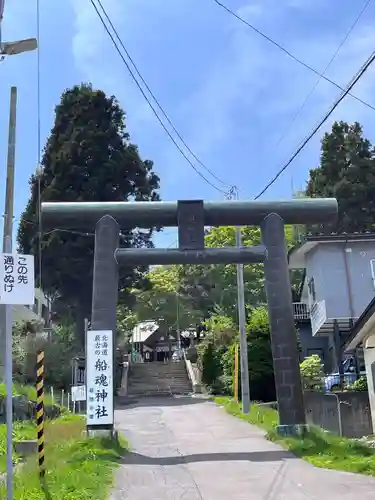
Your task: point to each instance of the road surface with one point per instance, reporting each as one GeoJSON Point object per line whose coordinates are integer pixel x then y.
{"type": "Point", "coordinates": [190, 449]}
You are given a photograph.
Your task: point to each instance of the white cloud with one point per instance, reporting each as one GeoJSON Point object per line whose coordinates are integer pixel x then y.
{"type": "Point", "coordinates": [244, 75]}
{"type": "Point", "coordinates": [260, 78]}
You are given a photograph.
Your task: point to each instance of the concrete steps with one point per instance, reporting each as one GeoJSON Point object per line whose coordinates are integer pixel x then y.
{"type": "Point", "coordinates": [155, 378]}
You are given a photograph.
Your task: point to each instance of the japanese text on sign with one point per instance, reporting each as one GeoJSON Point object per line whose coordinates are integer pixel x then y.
{"type": "Point", "coordinates": [17, 279]}
{"type": "Point", "coordinates": [99, 378]}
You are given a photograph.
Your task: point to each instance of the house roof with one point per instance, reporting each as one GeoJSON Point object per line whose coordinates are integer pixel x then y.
{"type": "Point", "coordinates": [142, 331]}
{"type": "Point", "coordinates": [296, 255]}
{"type": "Point", "coordinates": [361, 327]}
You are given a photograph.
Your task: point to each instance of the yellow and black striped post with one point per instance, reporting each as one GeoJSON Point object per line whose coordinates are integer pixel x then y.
{"type": "Point", "coordinates": [40, 409]}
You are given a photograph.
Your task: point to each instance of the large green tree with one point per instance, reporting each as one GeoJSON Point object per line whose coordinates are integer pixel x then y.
{"type": "Point", "coordinates": [201, 290]}
{"type": "Point", "coordinates": [163, 300]}
{"type": "Point", "coordinates": [88, 157]}
{"type": "Point", "coordinates": [347, 172]}
{"type": "Point", "coordinates": [213, 287]}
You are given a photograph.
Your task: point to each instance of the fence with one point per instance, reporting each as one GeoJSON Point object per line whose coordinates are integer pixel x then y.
{"type": "Point", "coordinates": [63, 398]}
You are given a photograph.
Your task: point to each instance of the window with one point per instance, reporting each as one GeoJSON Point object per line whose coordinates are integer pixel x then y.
{"type": "Point", "coordinates": [311, 288]}
{"type": "Point", "coordinates": [372, 267]}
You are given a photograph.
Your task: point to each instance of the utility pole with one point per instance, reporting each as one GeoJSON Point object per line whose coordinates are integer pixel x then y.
{"type": "Point", "coordinates": [245, 389]}
{"type": "Point", "coordinates": [6, 310]}
{"type": "Point", "coordinates": [8, 214]}
{"type": "Point", "coordinates": [244, 362]}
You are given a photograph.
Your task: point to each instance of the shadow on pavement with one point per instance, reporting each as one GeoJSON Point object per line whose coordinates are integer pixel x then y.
{"type": "Point", "coordinates": [158, 401]}
{"type": "Point", "coordinates": [132, 458]}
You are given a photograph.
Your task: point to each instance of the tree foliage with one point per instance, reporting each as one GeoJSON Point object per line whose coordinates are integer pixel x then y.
{"type": "Point", "coordinates": [347, 172]}
{"type": "Point", "coordinates": [216, 355]}
{"type": "Point", "coordinates": [312, 373]}
{"type": "Point", "coordinates": [211, 287]}
{"type": "Point", "coordinates": [88, 157]}
{"type": "Point", "coordinates": [59, 352]}
{"type": "Point", "coordinates": [162, 300]}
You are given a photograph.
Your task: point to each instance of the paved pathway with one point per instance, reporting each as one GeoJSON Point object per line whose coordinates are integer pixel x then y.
{"type": "Point", "coordinates": [189, 449]}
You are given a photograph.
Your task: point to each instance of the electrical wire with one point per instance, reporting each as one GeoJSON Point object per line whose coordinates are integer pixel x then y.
{"type": "Point", "coordinates": [150, 104]}
{"type": "Point", "coordinates": [287, 52]}
{"type": "Point", "coordinates": [343, 41]}
{"type": "Point", "coordinates": [2, 5]}
{"type": "Point", "coordinates": [39, 172]}
{"type": "Point", "coordinates": [60, 229]}
{"type": "Point", "coordinates": [354, 80]}
{"type": "Point", "coordinates": [157, 102]}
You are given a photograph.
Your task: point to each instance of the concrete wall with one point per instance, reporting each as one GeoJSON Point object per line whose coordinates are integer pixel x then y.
{"type": "Point", "coordinates": [326, 263]}
{"type": "Point", "coordinates": [322, 410]}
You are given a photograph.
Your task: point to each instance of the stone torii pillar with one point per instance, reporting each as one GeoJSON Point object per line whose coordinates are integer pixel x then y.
{"type": "Point", "coordinates": [282, 325]}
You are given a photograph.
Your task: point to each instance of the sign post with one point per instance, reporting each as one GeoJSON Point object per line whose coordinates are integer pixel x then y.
{"type": "Point", "coordinates": [16, 287]}
{"type": "Point", "coordinates": [99, 381]}
{"type": "Point", "coordinates": [78, 394]}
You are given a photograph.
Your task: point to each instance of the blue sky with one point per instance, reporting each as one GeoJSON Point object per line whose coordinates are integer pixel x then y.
{"type": "Point", "coordinates": [230, 93]}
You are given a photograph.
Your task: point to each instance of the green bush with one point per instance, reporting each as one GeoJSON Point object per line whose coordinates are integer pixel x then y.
{"type": "Point", "coordinates": [209, 360]}
{"type": "Point", "coordinates": [58, 351]}
{"type": "Point", "coordinates": [216, 355]}
{"type": "Point", "coordinates": [359, 385]}
{"type": "Point", "coordinates": [312, 373]}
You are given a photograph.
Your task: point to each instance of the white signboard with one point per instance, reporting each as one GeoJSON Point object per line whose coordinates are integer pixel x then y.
{"type": "Point", "coordinates": [99, 381]}
{"type": "Point", "coordinates": [78, 393]}
{"type": "Point", "coordinates": [17, 284]}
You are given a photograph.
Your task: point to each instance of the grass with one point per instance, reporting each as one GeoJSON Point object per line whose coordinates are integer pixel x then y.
{"type": "Point", "coordinates": [76, 467]}
{"type": "Point", "coordinates": [25, 390]}
{"type": "Point", "coordinates": [318, 447]}
{"type": "Point", "coordinates": [21, 431]}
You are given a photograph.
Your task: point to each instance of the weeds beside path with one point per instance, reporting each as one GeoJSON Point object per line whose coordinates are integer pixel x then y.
{"type": "Point", "coordinates": [77, 468]}
{"type": "Point", "coordinates": [317, 446]}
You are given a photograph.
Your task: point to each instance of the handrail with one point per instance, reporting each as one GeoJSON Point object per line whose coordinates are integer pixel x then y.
{"type": "Point", "coordinates": [196, 385]}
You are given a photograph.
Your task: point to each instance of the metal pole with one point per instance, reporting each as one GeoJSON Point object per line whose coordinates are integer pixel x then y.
{"type": "Point", "coordinates": [9, 193]}
{"type": "Point", "coordinates": [6, 310]}
{"type": "Point", "coordinates": [338, 410]}
{"type": "Point", "coordinates": [9, 387]}
{"type": "Point", "coordinates": [245, 389]}
{"type": "Point", "coordinates": [8, 216]}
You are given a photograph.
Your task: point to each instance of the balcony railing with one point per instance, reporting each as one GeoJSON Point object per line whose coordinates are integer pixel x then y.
{"type": "Point", "coordinates": [301, 311]}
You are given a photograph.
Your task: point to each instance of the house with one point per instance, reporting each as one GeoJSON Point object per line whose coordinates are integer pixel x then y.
{"type": "Point", "coordinates": [40, 308]}
{"type": "Point", "coordinates": [363, 333]}
{"type": "Point", "coordinates": [338, 284]}
{"type": "Point", "coordinates": [153, 342]}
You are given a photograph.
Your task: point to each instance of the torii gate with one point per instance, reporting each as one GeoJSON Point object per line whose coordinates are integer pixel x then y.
{"type": "Point", "coordinates": [191, 217]}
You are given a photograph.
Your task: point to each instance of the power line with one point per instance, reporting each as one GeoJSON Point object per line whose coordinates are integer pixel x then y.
{"type": "Point", "coordinates": [324, 72]}
{"type": "Point", "coordinates": [358, 76]}
{"type": "Point", "coordinates": [150, 104]}
{"type": "Point", "coordinates": [198, 160]}
{"type": "Point", "coordinates": [286, 51]}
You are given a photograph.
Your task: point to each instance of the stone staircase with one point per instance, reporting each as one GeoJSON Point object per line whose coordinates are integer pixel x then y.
{"type": "Point", "coordinates": [152, 379]}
